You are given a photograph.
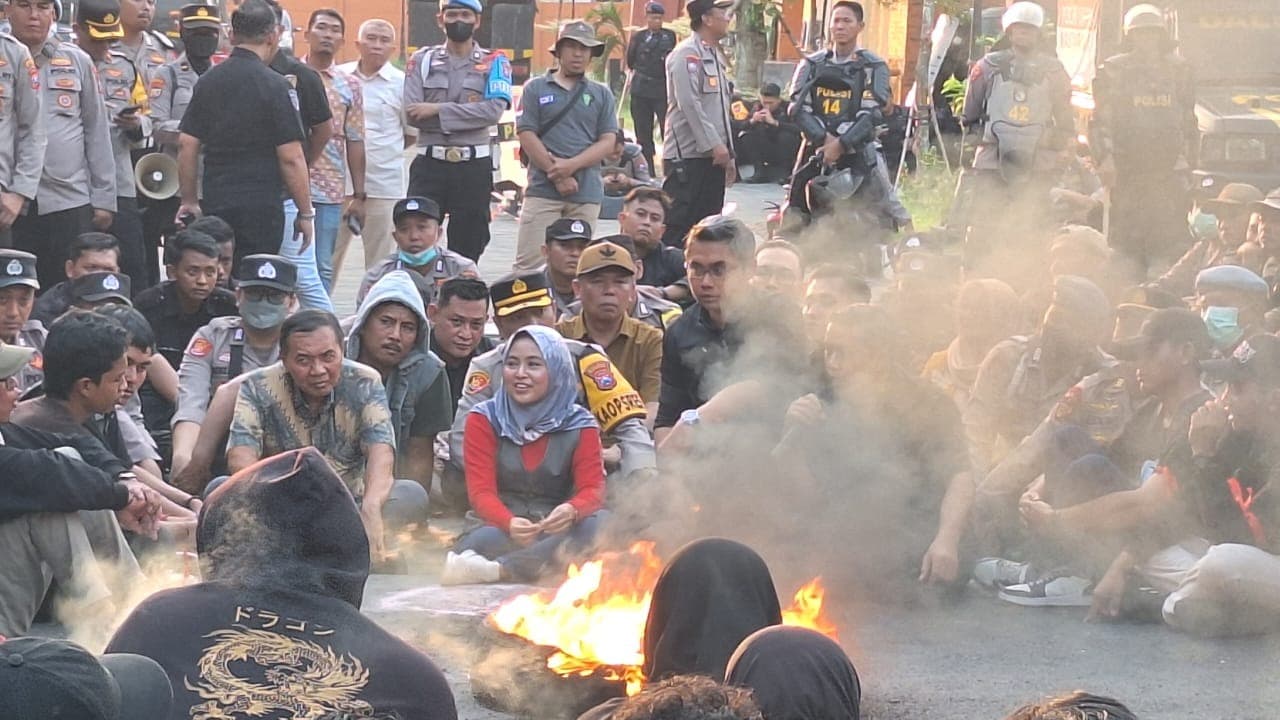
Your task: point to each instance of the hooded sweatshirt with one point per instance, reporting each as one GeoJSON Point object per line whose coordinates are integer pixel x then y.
{"type": "Point", "coordinates": [276, 624]}
{"type": "Point", "coordinates": [418, 388]}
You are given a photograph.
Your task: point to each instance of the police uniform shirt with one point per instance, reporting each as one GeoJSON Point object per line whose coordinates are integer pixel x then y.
{"type": "Point", "coordinates": [174, 328]}
{"type": "Point", "coordinates": [472, 91]}
{"type": "Point", "coordinates": [152, 53]}
{"type": "Point", "coordinates": [170, 93]}
{"type": "Point", "coordinates": [218, 352]}
{"type": "Point", "coordinates": [447, 265]}
{"type": "Point", "coordinates": [22, 132]}
{"type": "Point", "coordinates": [241, 112]}
{"type": "Point", "coordinates": [698, 98]}
{"type": "Point", "coordinates": [79, 166]}
{"type": "Point", "coordinates": [123, 86]}
{"type": "Point", "coordinates": [646, 58]}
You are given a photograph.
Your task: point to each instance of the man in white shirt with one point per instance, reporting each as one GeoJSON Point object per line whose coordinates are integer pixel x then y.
{"type": "Point", "coordinates": [386, 137]}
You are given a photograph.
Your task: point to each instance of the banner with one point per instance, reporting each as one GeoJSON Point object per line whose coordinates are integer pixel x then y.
{"type": "Point", "coordinates": [944, 33]}
{"type": "Point", "coordinates": [1078, 39]}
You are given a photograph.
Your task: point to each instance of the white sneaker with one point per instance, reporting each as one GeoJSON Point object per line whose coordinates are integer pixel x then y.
{"type": "Point", "coordinates": [1051, 591]}
{"type": "Point", "coordinates": [995, 573]}
{"type": "Point", "coordinates": [469, 568]}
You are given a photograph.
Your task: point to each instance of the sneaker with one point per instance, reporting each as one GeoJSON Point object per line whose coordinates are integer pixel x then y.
{"type": "Point", "coordinates": [996, 573]}
{"type": "Point", "coordinates": [469, 568]}
{"type": "Point", "coordinates": [1051, 591]}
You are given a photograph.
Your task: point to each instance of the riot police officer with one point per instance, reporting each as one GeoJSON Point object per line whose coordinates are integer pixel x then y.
{"type": "Point", "coordinates": [170, 92]}
{"type": "Point", "coordinates": [1144, 140]}
{"type": "Point", "coordinates": [646, 59]}
{"type": "Point", "coordinates": [125, 95]}
{"type": "Point", "coordinates": [454, 94]}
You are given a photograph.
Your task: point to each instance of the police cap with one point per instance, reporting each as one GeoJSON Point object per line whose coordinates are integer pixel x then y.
{"type": "Point", "coordinates": [18, 268]}
{"type": "Point", "coordinates": [770, 90]}
{"type": "Point", "coordinates": [1232, 278]}
{"type": "Point", "coordinates": [654, 8]}
{"type": "Point", "coordinates": [513, 294]}
{"type": "Point", "coordinates": [472, 5]}
{"type": "Point", "coordinates": [415, 206]}
{"type": "Point", "coordinates": [98, 286]}
{"type": "Point", "coordinates": [101, 18]}
{"type": "Point", "coordinates": [269, 271]}
{"type": "Point", "coordinates": [201, 15]}
{"type": "Point", "coordinates": [568, 229]}
{"type": "Point", "coordinates": [698, 8]}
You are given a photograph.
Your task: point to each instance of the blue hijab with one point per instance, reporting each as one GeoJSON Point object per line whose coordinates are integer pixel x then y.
{"type": "Point", "coordinates": [557, 411]}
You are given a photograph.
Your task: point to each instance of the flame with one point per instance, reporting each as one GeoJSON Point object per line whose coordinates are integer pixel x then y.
{"type": "Point", "coordinates": [595, 620]}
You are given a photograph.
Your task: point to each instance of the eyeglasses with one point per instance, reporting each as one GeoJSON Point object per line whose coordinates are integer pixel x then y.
{"type": "Point", "coordinates": [718, 270]}
{"type": "Point", "coordinates": [258, 294]}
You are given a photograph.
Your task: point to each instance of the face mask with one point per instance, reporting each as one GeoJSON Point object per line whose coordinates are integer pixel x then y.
{"type": "Point", "coordinates": [1204, 226]}
{"type": "Point", "coordinates": [417, 259]}
{"type": "Point", "coordinates": [263, 314]}
{"type": "Point", "coordinates": [201, 46]}
{"type": "Point", "coordinates": [459, 31]}
{"type": "Point", "coordinates": [1223, 324]}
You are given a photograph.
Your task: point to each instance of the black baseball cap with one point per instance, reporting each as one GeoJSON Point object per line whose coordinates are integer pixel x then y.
{"type": "Point", "coordinates": [513, 294]}
{"type": "Point", "coordinates": [98, 286]}
{"type": "Point", "coordinates": [416, 206]}
{"type": "Point", "coordinates": [101, 18]}
{"type": "Point", "coordinates": [18, 268]}
{"type": "Point", "coordinates": [698, 8]}
{"type": "Point", "coordinates": [770, 90]}
{"type": "Point", "coordinates": [270, 271]}
{"type": "Point", "coordinates": [1174, 326]}
{"type": "Point", "coordinates": [569, 229]}
{"type": "Point", "coordinates": [200, 15]}
{"type": "Point", "coordinates": [1256, 359]}
{"type": "Point", "coordinates": [654, 8]}
{"type": "Point", "coordinates": [43, 678]}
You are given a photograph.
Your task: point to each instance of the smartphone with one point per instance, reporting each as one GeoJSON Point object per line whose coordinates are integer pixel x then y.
{"type": "Point", "coordinates": [354, 225]}
{"type": "Point", "coordinates": [186, 218]}
{"type": "Point", "coordinates": [130, 110]}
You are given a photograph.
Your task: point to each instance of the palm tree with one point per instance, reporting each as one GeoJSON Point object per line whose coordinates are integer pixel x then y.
{"type": "Point", "coordinates": [609, 27]}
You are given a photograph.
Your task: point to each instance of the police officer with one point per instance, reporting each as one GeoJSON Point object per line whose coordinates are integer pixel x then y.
{"type": "Point", "coordinates": [417, 233]}
{"type": "Point", "coordinates": [170, 92]}
{"type": "Point", "coordinates": [454, 94]}
{"type": "Point", "coordinates": [77, 190]}
{"type": "Point", "coordinates": [698, 160]}
{"type": "Point", "coordinates": [125, 93]}
{"type": "Point", "coordinates": [231, 345]}
{"type": "Point", "coordinates": [22, 133]}
{"type": "Point", "coordinates": [646, 59]}
{"type": "Point", "coordinates": [147, 49]}
{"type": "Point", "coordinates": [18, 285]}
{"type": "Point", "coordinates": [1145, 139]}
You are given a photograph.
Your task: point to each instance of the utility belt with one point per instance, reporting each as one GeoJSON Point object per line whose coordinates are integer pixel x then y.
{"type": "Point", "coordinates": [455, 153]}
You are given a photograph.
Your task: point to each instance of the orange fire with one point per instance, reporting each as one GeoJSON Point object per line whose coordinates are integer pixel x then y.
{"type": "Point", "coordinates": [595, 619]}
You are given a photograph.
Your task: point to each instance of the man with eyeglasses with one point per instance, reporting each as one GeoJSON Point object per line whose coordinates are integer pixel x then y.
{"type": "Point", "coordinates": [229, 346]}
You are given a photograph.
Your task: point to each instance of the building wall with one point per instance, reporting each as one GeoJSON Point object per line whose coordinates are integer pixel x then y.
{"type": "Point", "coordinates": [354, 12]}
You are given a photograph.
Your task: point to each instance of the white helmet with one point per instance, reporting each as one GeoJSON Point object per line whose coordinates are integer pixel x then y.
{"type": "Point", "coordinates": [1027, 13]}
{"type": "Point", "coordinates": [1143, 16]}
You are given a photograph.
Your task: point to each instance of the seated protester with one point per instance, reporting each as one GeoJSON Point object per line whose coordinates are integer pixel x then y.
{"type": "Point", "coordinates": [266, 293]}
{"type": "Point", "coordinates": [1077, 469]}
{"type": "Point", "coordinates": [901, 439]}
{"type": "Point", "coordinates": [566, 238]}
{"type": "Point", "coordinates": [176, 309]}
{"type": "Point", "coordinates": [647, 304]}
{"type": "Point", "coordinates": [60, 512]}
{"type": "Point", "coordinates": [284, 563]}
{"type": "Point", "coordinates": [1078, 705]}
{"type": "Point", "coordinates": [522, 301]}
{"type": "Point", "coordinates": [922, 298]}
{"type": "Point", "coordinates": [391, 334]}
{"type": "Point", "coordinates": [47, 678]}
{"type": "Point", "coordinates": [90, 252]}
{"type": "Point", "coordinates": [420, 251]}
{"type": "Point", "coordinates": [687, 697]}
{"type": "Point", "coordinates": [986, 311]}
{"type": "Point", "coordinates": [315, 396]}
{"type": "Point", "coordinates": [1230, 211]}
{"type": "Point", "coordinates": [767, 140]}
{"type": "Point", "coordinates": [139, 356]}
{"type": "Point", "coordinates": [828, 288]}
{"type": "Point", "coordinates": [18, 285]}
{"type": "Point", "coordinates": [1233, 302]}
{"type": "Point", "coordinates": [1080, 251]}
{"type": "Point", "coordinates": [86, 375]}
{"type": "Point", "coordinates": [1022, 378]}
{"type": "Point", "coordinates": [225, 236]}
{"type": "Point", "coordinates": [534, 472]}
{"type": "Point", "coordinates": [643, 219]}
{"type": "Point", "coordinates": [605, 286]}
{"type": "Point", "coordinates": [458, 317]}
{"type": "Point", "coordinates": [625, 168]}
{"type": "Point", "coordinates": [779, 270]}
{"type": "Point", "coordinates": [96, 289]}
{"type": "Point", "coordinates": [796, 673]}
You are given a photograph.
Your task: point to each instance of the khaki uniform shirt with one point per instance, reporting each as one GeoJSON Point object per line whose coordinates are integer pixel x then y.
{"type": "Point", "coordinates": [218, 352]}
{"type": "Point", "coordinates": [637, 352]}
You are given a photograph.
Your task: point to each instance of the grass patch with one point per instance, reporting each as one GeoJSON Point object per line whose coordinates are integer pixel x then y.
{"type": "Point", "coordinates": [927, 193]}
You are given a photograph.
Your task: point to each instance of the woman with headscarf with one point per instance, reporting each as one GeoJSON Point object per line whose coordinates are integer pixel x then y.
{"type": "Point", "coordinates": [534, 472]}
{"type": "Point", "coordinates": [796, 674]}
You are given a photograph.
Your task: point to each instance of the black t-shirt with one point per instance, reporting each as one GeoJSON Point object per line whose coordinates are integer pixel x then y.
{"type": "Point", "coordinates": [241, 112]}
{"type": "Point", "coordinates": [663, 267]}
{"type": "Point", "coordinates": [312, 101]}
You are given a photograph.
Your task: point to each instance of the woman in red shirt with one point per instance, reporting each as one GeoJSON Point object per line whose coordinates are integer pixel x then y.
{"type": "Point", "coordinates": [533, 465]}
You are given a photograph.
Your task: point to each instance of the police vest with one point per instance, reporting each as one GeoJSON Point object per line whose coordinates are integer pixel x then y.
{"type": "Point", "coordinates": [533, 494]}
{"type": "Point", "coordinates": [837, 91]}
{"type": "Point", "coordinates": [1148, 112]}
{"type": "Point", "coordinates": [1019, 111]}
